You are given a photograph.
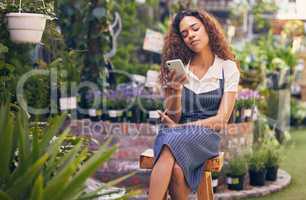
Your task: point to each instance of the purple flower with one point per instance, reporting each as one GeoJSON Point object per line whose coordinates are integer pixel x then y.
{"type": "Point", "coordinates": [248, 94]}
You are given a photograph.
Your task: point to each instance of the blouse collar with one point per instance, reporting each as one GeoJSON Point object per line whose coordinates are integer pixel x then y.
{"type": "Point", "coordinates": [214, 71]}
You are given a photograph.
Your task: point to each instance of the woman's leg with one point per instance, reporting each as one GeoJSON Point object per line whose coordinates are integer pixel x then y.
{"type": "Point", "coordinates": [179, 189]}
{"type": "Point", "coordinates": [161, 174]}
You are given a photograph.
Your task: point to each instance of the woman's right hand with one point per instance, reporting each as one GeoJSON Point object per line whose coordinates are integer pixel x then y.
{"type": "Point", "coordinates": [175, 81]}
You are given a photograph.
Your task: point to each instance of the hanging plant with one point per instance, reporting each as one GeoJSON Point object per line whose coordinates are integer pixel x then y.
{"type": "Point", "coordinates": [263, 11]}
{"type": "Point", "coordinates": [27, 20]}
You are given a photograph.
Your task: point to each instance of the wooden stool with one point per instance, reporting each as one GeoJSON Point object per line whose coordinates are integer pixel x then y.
{"type": "Point", "coordinates": [205, 190]}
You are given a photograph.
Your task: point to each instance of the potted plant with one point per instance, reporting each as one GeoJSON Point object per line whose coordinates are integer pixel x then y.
{"type": "Point", "coordinates": [279, 76]}
{"type": "Point", "coordinates": [251, 61]}
{"type": "Point", "coordinates": [95, 112]}
{"type": "Point", "coordinates": [117, 103]}
{"type": "Point", "coordinates": [130, 93]}
{"type": "Point", "coordinates": [297, 112]}
{"type": "Point", "coordinates": [272, 163]}
{"type": "Point", "coordinates": [263, 12]}
{"type": "Point", "coordinates": [115, 109]}
{"type": "Point", "coordinates": [246, 104]}
{"type": "Point", "coordinates": [152, 104]}
{"type": "Point", "coordinates": [257, 169]}
{"type": "Point", "coordinates": [69, 74]}
{"type": "Point", "coordinates": [236, 170]}
{"type": "Point", "coordinates": [27, 19]}
{"type": "Point", "coordinates": [273, 157]}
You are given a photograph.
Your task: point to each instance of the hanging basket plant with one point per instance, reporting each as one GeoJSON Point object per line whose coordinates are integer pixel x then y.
{"type": "Point", "coordinates": [26, 27]}
{"type": "Point", "coordinates": [28, 24]}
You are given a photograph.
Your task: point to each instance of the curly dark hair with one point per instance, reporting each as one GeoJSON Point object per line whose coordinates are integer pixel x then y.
{"type": "Point", "coordinates": [175, 47]}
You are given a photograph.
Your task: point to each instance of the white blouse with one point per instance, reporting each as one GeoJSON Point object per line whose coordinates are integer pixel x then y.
{"type": "Point", "coordinates": [210, 81]}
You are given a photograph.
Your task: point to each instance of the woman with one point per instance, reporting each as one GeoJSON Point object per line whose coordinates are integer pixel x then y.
{"type": "Point", "coordinates": [198, 103]}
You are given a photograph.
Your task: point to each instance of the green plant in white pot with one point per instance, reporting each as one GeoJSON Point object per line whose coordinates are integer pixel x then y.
{"type": "Point", "coordinates": [151, 105]}
{"type": "Point", "coordinates": [235, 172]}
{"type": "Point", "coordinates": [116, 106]}
{"type": "Point", "coordinates": [26, 20]}
{"type": "Point", "coordinates": [69, 74]}
{"type": "Point", "coordinates": [118, 102]}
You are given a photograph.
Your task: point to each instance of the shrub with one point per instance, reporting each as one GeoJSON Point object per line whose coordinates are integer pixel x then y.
{"type": "Point", "coordinates": [237, 166]}
{"type": "Point", "coordinates": [257, 160]}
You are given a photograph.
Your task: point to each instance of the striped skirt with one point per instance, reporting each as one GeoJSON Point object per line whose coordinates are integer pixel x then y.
{"type": "Point", "coordinates": [191, 146]}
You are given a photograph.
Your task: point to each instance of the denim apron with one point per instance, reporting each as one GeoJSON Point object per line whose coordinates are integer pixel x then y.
{"type": "Point", "coordinates": [192, 145]}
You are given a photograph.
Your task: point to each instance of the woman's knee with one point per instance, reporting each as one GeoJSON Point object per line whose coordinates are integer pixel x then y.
{"type": "Point", "coordinates": [177, 174]}
{"type": "Point", "coordinates": [166, 154]}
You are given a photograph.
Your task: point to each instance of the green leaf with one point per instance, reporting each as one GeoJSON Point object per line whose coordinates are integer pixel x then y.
{"type": "Point", "coordinates": [22, 183]}
{"type": "Point", "coordinates": [37, 192]}
{"type": "Point", "coordinates": [53, 151]}
{"type": "Point", "coordinates": [6, 139]}
{"type": "Point", "coordinates": [69, 156]}
{"type": "Point", "coordinates": [52, 130]}
{"type": "Point", "coordinates": [23, 141]}
{"type": "Point", "coordinates": [95, 193]}
{"type": "Point", "coordinates": [131, 193]}
{"type": "Point", "coordinates": [3, 49]}
{"type": "Point", "coordinates": [87, 169]}
{"type": "Point", "coordinates": [35, 144]}
{"type": "Point", "coordinates": [56, 186]}
{"type": "Point", "coordinates": [4, 196]}
{"type": "Point", "coordinates": [24, 146]}
{"type": "Point", "coordinates": [119, 180]}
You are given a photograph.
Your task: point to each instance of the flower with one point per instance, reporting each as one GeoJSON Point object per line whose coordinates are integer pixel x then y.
{"type": "Point", "coordinates": [247, 98]}
{"type": "Point", "coordinates": [127, 94]}
{"type": "Point", "coordinates": [247, 94]}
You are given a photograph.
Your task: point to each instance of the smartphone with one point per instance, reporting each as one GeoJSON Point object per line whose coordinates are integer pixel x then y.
{"type": "Point", "coordinates": [177, 65]}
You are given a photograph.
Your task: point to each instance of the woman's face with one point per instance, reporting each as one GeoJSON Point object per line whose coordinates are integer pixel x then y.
{"type": "Point", "coordinates": [194, 33]}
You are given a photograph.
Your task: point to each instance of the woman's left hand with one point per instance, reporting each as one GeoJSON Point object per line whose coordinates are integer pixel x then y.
{"type": "Point", "coordinates": [167, 120]}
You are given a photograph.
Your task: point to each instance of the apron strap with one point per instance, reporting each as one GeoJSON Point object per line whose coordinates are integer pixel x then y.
{"type": "Point", "coordinates": [222, 83]}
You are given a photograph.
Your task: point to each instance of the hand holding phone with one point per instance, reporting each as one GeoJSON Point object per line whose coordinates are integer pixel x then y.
{"type": "Point", "coordinates": [178, 75]}
{"type": "Point", "coordinates": [177, 65]}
